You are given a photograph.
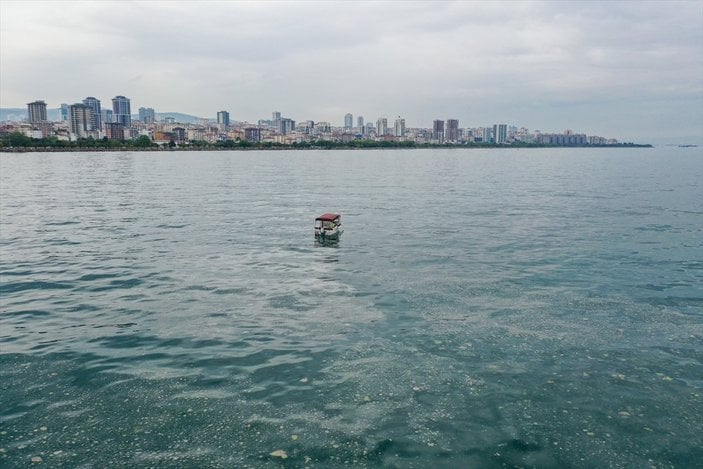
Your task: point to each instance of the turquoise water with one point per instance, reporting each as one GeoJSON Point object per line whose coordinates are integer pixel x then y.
{"type": "Point", "coordinates": [490, 308]}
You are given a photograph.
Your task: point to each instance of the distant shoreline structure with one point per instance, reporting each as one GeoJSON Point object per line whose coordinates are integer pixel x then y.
{"type": "Point", "coordinates": [280, 147]}
{"type": "Point", "coordinates": [86, 122]}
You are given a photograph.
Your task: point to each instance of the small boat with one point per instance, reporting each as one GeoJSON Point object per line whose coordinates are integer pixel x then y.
{"type": "Point", "coordinates": [328, 226]}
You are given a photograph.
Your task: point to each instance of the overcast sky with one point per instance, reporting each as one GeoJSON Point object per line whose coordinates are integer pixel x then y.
{"type": "Point", "coordinates": [628, 70]}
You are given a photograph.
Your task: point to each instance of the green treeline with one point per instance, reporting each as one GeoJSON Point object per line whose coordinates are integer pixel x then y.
{"type": "Point", "coordinates": [19, 142]}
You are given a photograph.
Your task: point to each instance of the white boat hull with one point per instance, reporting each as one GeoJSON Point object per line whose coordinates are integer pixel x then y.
{"type": "Point", "coordinates": [323, 234]}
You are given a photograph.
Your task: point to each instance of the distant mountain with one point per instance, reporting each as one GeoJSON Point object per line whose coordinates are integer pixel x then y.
{"type": "Point", "coordinates": [14, 114]}
{"type": "Point", "coordinates": [18, 114]}
{"type": "Point", "coordinates": [179, 117]}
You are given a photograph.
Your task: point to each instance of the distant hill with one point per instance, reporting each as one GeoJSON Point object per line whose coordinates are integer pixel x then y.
{"type": "Point", "coordinates": [179, 117]}
{"type": "Point", "coordinates": [14, 114]}
{"type": "Point", "coordinates": [18, 114]}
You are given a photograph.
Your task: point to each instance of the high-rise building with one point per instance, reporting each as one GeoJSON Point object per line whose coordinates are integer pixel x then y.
{"type": "Point", "coordinates": [452, 133]}
{"type": "Point", "coordinates": [36, 112]}
{"type": "Point", "coordinates": [438, 131]}
{"type": "Point", "coordinates": [179, 134]}
{"type": "Point", "coordinates": [360, 122]}
{"type": "Point", "coordinates": [94, 105]}
{"type": "Point", "coordinates": [285, 126]}
{"type": "Point", "coordinates": [252, 134]}
{"type": "Point", "coordinates": [107, 116]}
{"type": "Point", "coordinates": [147, 115]}
{"type": "Point", "coordinates": [323, 128]}
{"type": "Point", "coordinates": [348, 121]}
{"type": "Point", "coordinates": [122, 112]}
{"type": "Point", "coordinates": [223, 118]}
{"type": "Point", "coordinates": [306, 127]}
{"type": "Point", "coordinates": [81, 119]}
{"type": "Point", "coordinates": [399, 127]}
{"type": "Point", "coordinates": [64, 112]}
{"type": "Point", "coordinates": [114, 131]}
{"type": "Point", "coordinates": [276, 115]}
{"type": "Point", "coordinates": [486, 135]}
{"type": "Point", "coordinates": [381, 126]}
{"type": "Point", "coordinates": [500, 133]}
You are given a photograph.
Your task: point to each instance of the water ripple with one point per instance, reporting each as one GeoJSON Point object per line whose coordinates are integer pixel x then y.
{"type": "Point", "coordinates": [483, 309]}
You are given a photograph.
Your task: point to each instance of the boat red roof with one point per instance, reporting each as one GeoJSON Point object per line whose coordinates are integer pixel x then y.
{"type": "Point", "coordinates": [328, 217]}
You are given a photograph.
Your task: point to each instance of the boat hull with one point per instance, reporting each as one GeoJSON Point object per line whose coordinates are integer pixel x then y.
{"type": "Point", "coordinates": [328, 226]}
{"type": "Point", "coordinates": [323, 235]}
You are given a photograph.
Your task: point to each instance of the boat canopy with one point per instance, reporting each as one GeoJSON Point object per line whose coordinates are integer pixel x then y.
{"type": "Point", "coordinates": [328, 217]}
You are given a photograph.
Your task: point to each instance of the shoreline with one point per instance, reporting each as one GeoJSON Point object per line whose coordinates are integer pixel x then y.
{"type": "Point", "coordinates": [300, 147]}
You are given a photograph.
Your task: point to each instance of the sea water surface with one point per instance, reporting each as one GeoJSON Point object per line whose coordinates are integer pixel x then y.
{"type": "Point", "coordinates": [484, 308]}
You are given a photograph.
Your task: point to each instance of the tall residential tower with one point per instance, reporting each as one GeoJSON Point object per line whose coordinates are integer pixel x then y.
{"type": "Point", "coordinates": [80, 117]}
{"type": "Point", "coordinates": [438, 131]}
{"type": "Point", "coordinates": [121, 112]}
{"type": "Point", "coordinates": [96, 116]}
{"type": "Point", "coordinates": [36, 112]}
{"type": "Point", "coordinates": [381, 126]}
{"type": "Point", "coordinates": [452, 133]}
{"type": "Point", "coordinates": [399, 127]}
{"type": "Point", "coordinates": [147, 115]}
{"type": "Point", "coordinates": [223, 119]}
{"type": "Point", "coordinates": [500, 133]}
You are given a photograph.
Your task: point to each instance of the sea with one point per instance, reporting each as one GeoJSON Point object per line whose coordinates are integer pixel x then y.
{"type": "Point", "coordinates": [484, 308]}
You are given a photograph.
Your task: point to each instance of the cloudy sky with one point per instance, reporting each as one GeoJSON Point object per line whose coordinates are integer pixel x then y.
{"type": "Point", "coordinates": [628, 70]}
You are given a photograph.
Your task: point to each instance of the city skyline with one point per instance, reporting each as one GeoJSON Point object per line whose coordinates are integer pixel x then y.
{"type": "Point", "coordinates": [632, 70]}
{"type": "Point", "coordinates": [148, 116]}
{"type": "Point", "coordinates": [80, 121]}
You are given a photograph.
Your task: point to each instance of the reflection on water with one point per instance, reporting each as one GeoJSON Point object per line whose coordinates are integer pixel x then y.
{"type": "Point", "coordinates": [327, 243]}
